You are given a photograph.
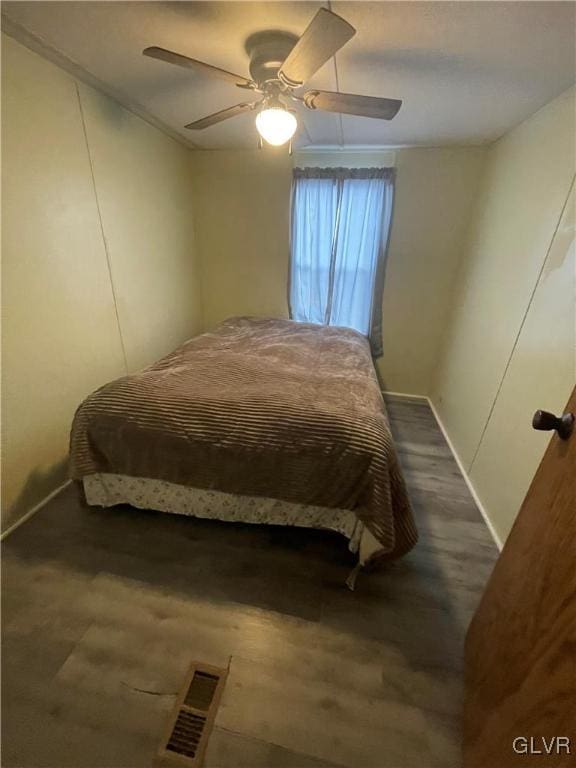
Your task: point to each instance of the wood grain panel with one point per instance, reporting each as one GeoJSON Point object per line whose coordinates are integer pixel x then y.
{"type": "Point", "coordinates": [521, 646]}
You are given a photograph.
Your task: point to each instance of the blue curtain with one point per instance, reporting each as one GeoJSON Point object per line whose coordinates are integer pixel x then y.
{"type": "Point", "coordinates": [340, 227]}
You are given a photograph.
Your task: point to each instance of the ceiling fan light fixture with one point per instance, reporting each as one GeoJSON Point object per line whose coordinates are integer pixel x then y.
{"type": "Point", "coordinates": [279, 64]}
{"type": "Point", "coordinates": [276, 125]}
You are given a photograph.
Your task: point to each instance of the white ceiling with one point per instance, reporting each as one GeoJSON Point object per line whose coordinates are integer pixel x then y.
{"type": "Point", "coordinates": [467, 71]}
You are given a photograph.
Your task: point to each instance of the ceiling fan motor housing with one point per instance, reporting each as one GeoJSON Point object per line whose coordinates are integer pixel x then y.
{"type": "Point", "coordinates": [268, 50]}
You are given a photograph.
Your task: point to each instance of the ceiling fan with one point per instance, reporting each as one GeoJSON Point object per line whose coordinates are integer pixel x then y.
{"type": "Point", "coordinates": [281, 63]}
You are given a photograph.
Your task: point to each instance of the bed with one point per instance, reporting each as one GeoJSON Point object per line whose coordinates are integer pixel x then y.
{"type": "Point", "coordinates": [261, 420]}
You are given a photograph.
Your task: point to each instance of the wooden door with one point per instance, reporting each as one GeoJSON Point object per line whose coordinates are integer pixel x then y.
{"type": "Point", "coordinates": [520, 656]}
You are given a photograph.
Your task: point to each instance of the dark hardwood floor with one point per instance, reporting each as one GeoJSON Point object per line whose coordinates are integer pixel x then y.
{"type": "Point", "coordinates": [100, 606]}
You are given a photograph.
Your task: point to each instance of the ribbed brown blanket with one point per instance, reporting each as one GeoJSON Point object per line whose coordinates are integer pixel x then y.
{"type": "Point", "coordinates": [258, 407]}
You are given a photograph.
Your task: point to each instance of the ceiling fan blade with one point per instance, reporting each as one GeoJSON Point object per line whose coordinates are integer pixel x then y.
{"type": "Point", "coordinates": [352, 104]}
{"type": "Point", "coordinates": [224, 114]}
{"type": "Point", "coordinates": [200, 66]}
{"type": "Point", "coordinates": [325, 35]}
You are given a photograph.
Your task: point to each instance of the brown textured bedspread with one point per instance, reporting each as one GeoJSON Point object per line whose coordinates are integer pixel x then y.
{"type": "Point", "coordinates": [259, 407]}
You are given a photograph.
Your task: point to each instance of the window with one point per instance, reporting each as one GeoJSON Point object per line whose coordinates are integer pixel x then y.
{"type": "Point", "coordinates": [340, 224]}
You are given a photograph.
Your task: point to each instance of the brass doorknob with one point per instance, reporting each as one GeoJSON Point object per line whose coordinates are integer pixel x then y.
{"type": "Point", "coordinates": [546, 422]}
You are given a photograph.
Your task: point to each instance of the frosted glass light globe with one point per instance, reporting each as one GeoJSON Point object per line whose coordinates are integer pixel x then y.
{"type": "Point", "coordinates": [276, 125]}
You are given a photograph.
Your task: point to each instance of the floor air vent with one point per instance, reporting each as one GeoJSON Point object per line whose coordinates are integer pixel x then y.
{"type": "Point", "coordinates": [193, 716]}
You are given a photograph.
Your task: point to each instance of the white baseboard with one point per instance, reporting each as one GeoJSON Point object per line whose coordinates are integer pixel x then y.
{"type": "Point", "coordinates": [467, 480]}
{"type": "Point", "coordinates": [405, 394]}
{"type": "Point", "coordinates": [33, 511]}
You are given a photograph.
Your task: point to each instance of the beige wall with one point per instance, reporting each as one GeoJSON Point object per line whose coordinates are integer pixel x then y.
{"type": "Point", "coordinates": [60, 333]}
{"type": "Point", "coordinates": [435, 192]}
{"type": "Point", "coordinates": [242, 206]}
{"type": "Point", "coordinates": [144, 187]}
{"type": "Point", "coordinates": [510, 346]}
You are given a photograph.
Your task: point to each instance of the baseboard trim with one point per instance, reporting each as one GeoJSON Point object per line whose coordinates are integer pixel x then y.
{"type": "Point", "coordinates": [405, 394]}
{"type": "Point", "coordinates": [26, 516]}
{"type": "Point", "coordinates": [467, 480]}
